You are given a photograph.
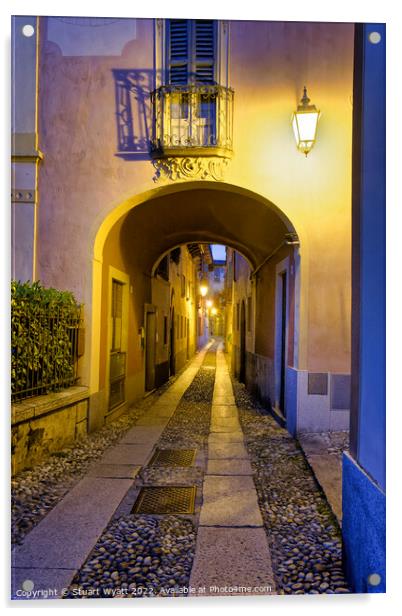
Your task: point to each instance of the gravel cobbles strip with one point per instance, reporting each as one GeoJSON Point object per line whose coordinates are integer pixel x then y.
{"type": "Point", "coordinates": [189, 426]}
{"type": "Point", "coordinates": [138, 556]}
{"type": "Point", "coordinates": [303, 534]}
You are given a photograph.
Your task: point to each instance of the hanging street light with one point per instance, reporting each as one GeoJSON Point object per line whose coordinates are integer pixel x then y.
{"type": "Point", "coordinates": [304, 123]}
{"type": "Point", "coordinates": [203, 289]}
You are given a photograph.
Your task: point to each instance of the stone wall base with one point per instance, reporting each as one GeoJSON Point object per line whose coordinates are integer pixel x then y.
{"type": "Point", "coordinates": [314, 402]}
{"type": "Point", "coordinates": [45, 424]}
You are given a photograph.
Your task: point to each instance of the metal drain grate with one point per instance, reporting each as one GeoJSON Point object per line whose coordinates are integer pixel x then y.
{"type": "Point", "coordinates": [170, 499]}
{"type": "Point", "coordinates": [173, 457]}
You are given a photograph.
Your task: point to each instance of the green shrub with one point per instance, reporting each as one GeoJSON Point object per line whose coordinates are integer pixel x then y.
{"type": "Point", "coordinates": [44, 325]}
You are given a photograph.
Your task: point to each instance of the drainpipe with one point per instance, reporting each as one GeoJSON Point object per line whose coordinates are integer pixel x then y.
{"type": "Point", "coordinates": [290, 239]}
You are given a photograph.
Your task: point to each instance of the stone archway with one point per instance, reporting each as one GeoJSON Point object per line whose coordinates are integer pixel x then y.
{"type": "Point", "coordinates": [139, 231]}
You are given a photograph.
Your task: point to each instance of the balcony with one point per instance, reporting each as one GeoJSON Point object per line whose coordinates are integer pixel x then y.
{"type": "Point", "coordinates": [191, 120]}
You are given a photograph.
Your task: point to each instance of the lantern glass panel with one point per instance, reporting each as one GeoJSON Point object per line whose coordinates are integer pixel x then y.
{"type": "Point", "coordinates": [307, 125]}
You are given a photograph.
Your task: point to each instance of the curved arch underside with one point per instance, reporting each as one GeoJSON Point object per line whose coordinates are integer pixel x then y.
{"type": "Point", "coordinates": [205, 215]}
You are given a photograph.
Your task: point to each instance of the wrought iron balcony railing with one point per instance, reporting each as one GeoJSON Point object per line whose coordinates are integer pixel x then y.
{"type": "Point", "coordinates": [192, 120]}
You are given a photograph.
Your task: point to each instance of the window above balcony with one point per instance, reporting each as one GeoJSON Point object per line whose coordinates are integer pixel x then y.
{"type": "Point", "coordinates": [191, 51]}
{"type": "Point", "coordinates": [192, 105]}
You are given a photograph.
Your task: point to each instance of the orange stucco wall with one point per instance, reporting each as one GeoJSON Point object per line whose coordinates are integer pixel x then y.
{"type": "Point", "coordinates": [83, 181]}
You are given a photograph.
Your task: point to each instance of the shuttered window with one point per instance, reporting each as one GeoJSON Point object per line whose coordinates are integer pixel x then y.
{"type": "Point", "coordinates": [178, 51]}
{"type": "Point", "coordinates": [191, 51]}
{"type": "Point", "coordinates": [204, 51]}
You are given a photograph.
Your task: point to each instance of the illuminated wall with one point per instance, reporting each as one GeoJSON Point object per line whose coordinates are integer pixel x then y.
{"type": "Point", "coordinates": [84, 179]}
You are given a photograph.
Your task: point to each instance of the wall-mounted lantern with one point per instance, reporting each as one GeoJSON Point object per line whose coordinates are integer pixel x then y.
{"type": "Point", "coordinates": [304, 123]}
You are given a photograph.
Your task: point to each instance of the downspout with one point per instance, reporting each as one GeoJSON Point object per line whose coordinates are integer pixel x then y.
{"type": "Point", "coordinates": [290, 239]}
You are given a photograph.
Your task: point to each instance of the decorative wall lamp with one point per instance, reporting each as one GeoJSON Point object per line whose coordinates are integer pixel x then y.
{"type": "Point", "coordinates": [304, 123]}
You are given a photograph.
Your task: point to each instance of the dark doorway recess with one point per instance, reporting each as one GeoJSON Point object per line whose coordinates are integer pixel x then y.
{"type": "Point", "coordinates": [283, 344]}
{"type": "Point", "coordinates": [242, 371]}
{"type": "Point", "coordinates": [150, 350]}
{"type": "Point", "coordinates": [172, 363]}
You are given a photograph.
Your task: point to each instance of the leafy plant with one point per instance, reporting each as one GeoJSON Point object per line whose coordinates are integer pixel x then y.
{"type": "Point", "coordinates": [44, 324]}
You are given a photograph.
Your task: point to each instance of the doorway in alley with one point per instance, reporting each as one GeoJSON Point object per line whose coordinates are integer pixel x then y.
{"type": "Point", "coordinates": [150, 342]}
{"type": "Point", "coordinates": [242, 372]}
{"type": "Point", "coordinates": [281, 334]}
{"type": "Point", "coordinates": [172, 363]}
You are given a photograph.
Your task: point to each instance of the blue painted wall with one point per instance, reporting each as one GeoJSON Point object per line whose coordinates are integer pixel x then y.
{"type": "Point", "coordinates": [363, 523]}
{"type": "Point", "coordinates": [291, 400]}
{"type": "Point", "coordinates": [363, 529]}
{"type": "Point", "coordinates": [371, 432]}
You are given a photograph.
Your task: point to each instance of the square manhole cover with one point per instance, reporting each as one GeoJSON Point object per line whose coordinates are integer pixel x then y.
{"type": "Point", "coordinates": [170, 499]}
{"type": "Point", "coordinates": [173, 457]}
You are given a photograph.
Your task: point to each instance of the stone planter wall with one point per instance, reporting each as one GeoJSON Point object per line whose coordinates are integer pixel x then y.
{"type": "Point", "coordinates": [45, 424]}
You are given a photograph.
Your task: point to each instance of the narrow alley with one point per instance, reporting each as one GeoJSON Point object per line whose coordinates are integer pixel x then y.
{"type": "Point", "coordinates": [197, 306]}
{"type": "Point", "coordinates": [200, 492]}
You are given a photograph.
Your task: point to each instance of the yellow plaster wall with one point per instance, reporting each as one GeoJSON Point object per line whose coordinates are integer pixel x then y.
{"type": "Point", "coordinates": [83, 183]}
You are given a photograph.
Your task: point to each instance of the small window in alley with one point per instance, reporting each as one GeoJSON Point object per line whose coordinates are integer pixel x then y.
{"type": "Point", "coordinates": [165, 330]}
{"type": "Point", "coordinates": [237, 316]}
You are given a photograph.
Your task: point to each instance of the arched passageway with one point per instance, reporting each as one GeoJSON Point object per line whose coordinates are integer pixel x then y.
{"type": "Point", "coordinates": [156, 251]}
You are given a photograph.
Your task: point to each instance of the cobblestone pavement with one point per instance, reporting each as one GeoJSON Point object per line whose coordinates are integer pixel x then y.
{"type": "Point", "coordinates": [303, 534]}
{"type": "Point", "coordinates": [147, 555]}
{"type": "Point", "coordinates": [151, 555]}
{"type": "Point", "coordinates": [189, 426]}
{"type": "Point", "coordinates": [138, 556]}
{"type": "Point", "coordinates": [36, 491]}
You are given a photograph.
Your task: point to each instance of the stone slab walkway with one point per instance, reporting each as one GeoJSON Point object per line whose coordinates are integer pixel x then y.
{"type": "Point", "coordinates": [324, 454]}
{"type": "Point", "coordinates": [58, 546]}
{"type": "Point", "coordinates": [60, 543]}
{"type": "Point", "coordinates": [232, 555]}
